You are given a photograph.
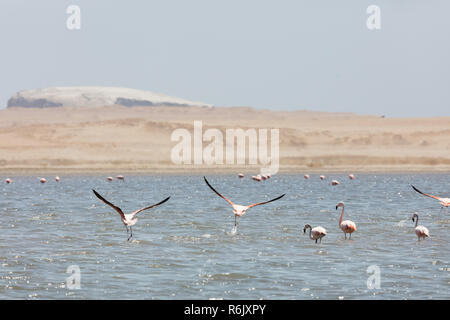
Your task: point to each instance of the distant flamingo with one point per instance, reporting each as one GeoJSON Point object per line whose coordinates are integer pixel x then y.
{"type": "Point", "coordinates": [420, 231]}
{"type": "Point", "coordinates": [257, 178]}
{"type": "Point", "coordinates": [120, 178]}
{"type": "Point", "coordinates": [316, 233]}
{"type": "Point", "coordinates": [110, 178]}
{"type": "Point", "coordinates": [241, 175]}
{"type": "Point", "coordinates": [57, 179]}
{"type": "Point", "coordinates": [43, 180]}
{"type": "Point", "coordinates": [8, 181]}
{"type": "Point", "coordinates": [322, 177]}
{"type": "Point", "coordinates": [238, 210]}
{"type": "Point", "coordinates": [306, 176]}
{"type": "Point", "coordinates": [128, 219]}
{"type": "Point", "coordinates": [335, 183]}
{"type": "Point", "coordinates": [346, 226]}
{"type": "Point", "coordinates": [351, 176]}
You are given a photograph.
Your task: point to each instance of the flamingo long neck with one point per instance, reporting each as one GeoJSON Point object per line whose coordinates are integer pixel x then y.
{"type": "Point", "coordinates": [417, 220]}
{"type": "Point", "coordinates": [342, 216]}
{"type": "Point", "coordinates": [310, 230]}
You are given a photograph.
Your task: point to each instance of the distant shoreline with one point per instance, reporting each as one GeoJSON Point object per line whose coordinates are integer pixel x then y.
{"type": "Point", "coordinates": [217, 171]}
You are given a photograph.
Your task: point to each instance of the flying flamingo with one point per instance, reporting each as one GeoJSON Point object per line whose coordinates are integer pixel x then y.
{"type": "Point", "coordinates": [128, 219]}
{"type": "Point", "coordinates": [445, 202]}
{"type": "Point", "coordinates": [316, 233]}
{"type": "Point", "coordinates": [420, 231]}
{"type": "Point", "coordinates": [238, 210]}
{"type": "Point", "coordinates": [346, 226]}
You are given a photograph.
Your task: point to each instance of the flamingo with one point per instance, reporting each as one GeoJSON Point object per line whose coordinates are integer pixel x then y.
{"type": "Point", "coordinates": [241, 175]}
{"type": "Point", "coordinates": [346, 226]}
{"type": "Point", "coordinates": [445, 202]}
{"type": "Point", "coordinates": [306, 176]}
{"type": "Point", "coordinates": [43, 180]}
{"type": "Point", "coordinates": [238, 210]}
{"type": "Point", "coordinates": [335, 183]}
{"type": "Point", "coordinates": [322, 177]}
{"type": "Point", "coordinates": [316, 233]}
{"type": "Point", "coordinates": [421, 231]}
{"type": "Point", "coordinates": [351, 176]}
{"type": "Point", "coordinates": [8, 181]}
{"type": "Point", "coordinates": [110, 178]}
{"type": "Point", "coordinates": [57, 179]}
{"type": "Point", "coordinates": [128, 220]}
{"type": "Point", "coordinates": [120, 178]}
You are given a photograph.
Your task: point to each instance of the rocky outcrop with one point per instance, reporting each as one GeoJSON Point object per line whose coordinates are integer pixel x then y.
{"type": "Point", "coordinates": [93, 97]}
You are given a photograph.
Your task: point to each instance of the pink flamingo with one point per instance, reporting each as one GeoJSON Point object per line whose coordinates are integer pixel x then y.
{"type": "Point", "coordinates": [43, 180]}
{"type": "Point", "coordinates": [57, 179]}
{"type": "Point", "coordinates": [241, 175]}
{"type": "Point", "coordinates": [110, 178]}
{"type": "Point", "coordinates": [238, 210]}
{"type": "Point", "coordinates": [120, 178]}
{"type": "Point", "coordinates": [128, 220]}
{"type": "Point", "coordinates": [306, 176]}
{"type": "Point", "coordinates": [8, 181]}
{"type": "Point", "coordinates": [445, 202]}
{"type": "Point", "coordinates": [351, 176]}
{"type": "Point", "coordinates": [346, 226]}
{"type": "Point", "coordinates": [322, 177]}
{"type": "Point", "coordinates": [335, 183]}
{"type": "Point", "coordinates": [420, 231]}
{"type": "Point", "coordinates": [316, 233]}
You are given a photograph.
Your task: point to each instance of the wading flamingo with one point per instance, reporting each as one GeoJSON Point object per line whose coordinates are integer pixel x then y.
{"type": "Point", "coordinates": [346, 226]}
{"type": "Point", "coordinates": [57, 179]}
{"type": "Point", "coordinates": [241, 175]}
{"type": "Point", "coordinates": [8, 181]}
{"type": "Point", "coordinates": [128, 220]}
{"type": "Point", "coordinates": [238, 210]}
{"type": "Point", "coordinates": [322, 177]}
{"type": "Point", "coordinates": [306, 176]}
{"type": "Point", "coordinates": [120, 178]}
{"type": "Point", "coordinates": [110, 178]}
{"type": "Point", "coordinates": [335, 183]}
{"type": "Point", "coordinates": [43, 180]}
{"type": "Point", "coordinates": [420, 231]}
{"type": "Point", "coordinates": [316, 233]}
{"type": "Point", "coordinates": [351, 176]}
{"type": "Point", "coordinates": [445, 202]}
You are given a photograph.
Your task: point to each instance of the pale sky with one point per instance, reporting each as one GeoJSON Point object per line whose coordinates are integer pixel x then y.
{"type": "Point", "coordinates": [281, 55]}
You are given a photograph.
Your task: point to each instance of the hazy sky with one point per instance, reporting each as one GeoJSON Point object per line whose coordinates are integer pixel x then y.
{"type": "Point", "coordinates": [285, 55]}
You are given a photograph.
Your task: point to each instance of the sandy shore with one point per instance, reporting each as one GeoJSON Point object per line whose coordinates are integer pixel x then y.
{"type": "Point", "coordinates": [137, 140]}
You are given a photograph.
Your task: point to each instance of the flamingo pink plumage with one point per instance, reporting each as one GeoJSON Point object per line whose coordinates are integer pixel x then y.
{"type": "Point", "coordinates": [316, 233]}
{"type": "Point", "coordinates": [421, 231]}
{"type": "Point", "coordinates": [346, 226]}
{"type": "Point", "coordinates": [239, 210]}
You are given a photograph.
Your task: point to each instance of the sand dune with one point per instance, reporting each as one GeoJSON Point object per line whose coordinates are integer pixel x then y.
{"type": "Point", "coordinates": [116, 138]}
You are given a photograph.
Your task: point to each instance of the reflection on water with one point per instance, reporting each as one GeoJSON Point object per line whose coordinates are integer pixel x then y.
{"type": "Point", "coordinates": [186, 249]}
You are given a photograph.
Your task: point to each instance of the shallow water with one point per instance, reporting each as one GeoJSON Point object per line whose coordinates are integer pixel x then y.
{"type": "Point", "coordinates": [185, 249]}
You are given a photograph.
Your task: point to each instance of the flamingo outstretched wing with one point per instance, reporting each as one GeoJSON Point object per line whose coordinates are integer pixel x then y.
{"type": "Point", "coordinates": [152, 206]}
{"type": "Point", "coordinates": [260, 203]}
{"type": "Point", "coordinates": [119, 211]}
{"type": "Point", "coordinates": [227, 200]}
{"type": "Point", "coordinates": [428, 195]}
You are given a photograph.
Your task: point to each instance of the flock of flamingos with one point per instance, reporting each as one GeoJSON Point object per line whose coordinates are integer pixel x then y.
{"type": "Point", "coordinates": [316, 233]}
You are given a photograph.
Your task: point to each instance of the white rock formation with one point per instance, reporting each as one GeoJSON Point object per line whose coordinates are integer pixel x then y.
{"type": "Point", "coordinates": [93, 97]}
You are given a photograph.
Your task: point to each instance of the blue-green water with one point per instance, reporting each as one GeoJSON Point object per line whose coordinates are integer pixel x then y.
{"type": "Point", "coordinates": [185, 250]}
